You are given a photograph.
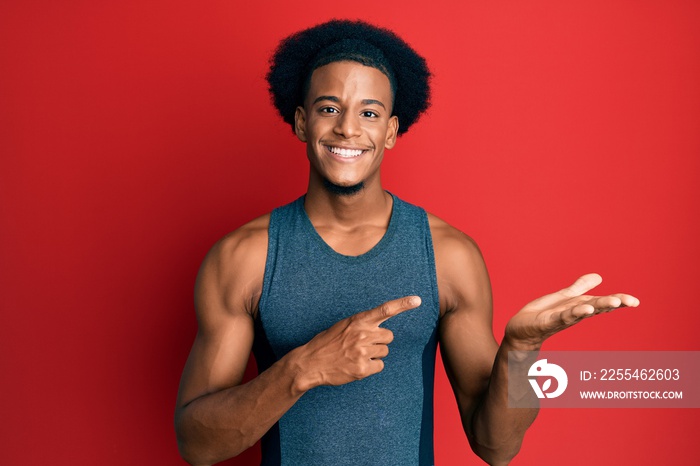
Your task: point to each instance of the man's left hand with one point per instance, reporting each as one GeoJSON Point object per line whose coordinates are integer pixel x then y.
{"type": "Point", "coordinates": [552, 313]}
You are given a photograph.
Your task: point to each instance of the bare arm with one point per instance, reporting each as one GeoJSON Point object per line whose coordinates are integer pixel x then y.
{"type": "Point", "coordinates": [476, 366]}
{"type": "Point", "coordinates": [467, 345]}
{"type": "Point", "coordinates": [216, 417]}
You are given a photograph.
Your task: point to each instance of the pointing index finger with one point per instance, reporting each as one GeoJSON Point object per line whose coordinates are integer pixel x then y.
{"type": "Point", "coordinates": [391, 308]}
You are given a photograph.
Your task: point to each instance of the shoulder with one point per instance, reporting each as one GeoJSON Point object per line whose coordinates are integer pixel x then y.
{"type": "Point", "coordinates": [460, 268]}
{"type": "Point", "coordinates": [231, 275]}
{"type": "Point", "coordinates": [247, 240]}
{"type": "Point", "coordinates": [450, 244]}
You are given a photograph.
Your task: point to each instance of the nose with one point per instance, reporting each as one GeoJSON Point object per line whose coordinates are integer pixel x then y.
{"type": "Point", "coordinates": [348, 125]}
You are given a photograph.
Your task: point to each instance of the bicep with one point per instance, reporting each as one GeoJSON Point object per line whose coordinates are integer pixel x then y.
{"type": "Point", "coordinates": [218, 358]}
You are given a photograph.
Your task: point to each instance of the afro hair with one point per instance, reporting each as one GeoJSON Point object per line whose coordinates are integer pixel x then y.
{"type": "Point", "coordinates": [300, 54]}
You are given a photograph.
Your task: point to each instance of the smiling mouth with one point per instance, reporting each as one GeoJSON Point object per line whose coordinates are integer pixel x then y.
{"type": "Point", "coordinates": [345, 153]}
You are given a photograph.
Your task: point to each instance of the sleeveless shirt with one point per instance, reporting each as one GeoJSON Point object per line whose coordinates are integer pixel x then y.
{"type": "Point", "coordinates": [386, 418]}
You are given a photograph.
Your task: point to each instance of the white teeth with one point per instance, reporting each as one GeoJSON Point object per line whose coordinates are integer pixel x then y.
{"type": "Point", "coordinates": [345, 152]}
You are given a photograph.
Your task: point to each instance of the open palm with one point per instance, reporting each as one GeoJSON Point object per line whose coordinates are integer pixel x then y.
{"type": "Point", "coordinates": [554, 312]}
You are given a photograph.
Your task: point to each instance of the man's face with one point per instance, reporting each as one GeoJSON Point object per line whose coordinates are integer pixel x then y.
{"type": "Point", "coordinates": [346, 123]}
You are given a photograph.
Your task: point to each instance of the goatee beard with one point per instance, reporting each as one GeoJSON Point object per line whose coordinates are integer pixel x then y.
{"type": "Point", "coordinates": [342, 190]}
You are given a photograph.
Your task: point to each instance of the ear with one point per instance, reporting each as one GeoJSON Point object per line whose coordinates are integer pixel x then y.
{"type": "Point", "coordinates": [300, 124]}
{"type": "Point", "coordinates": [392, 132]}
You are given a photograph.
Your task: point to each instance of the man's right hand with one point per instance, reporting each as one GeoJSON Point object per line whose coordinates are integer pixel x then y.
{"type": "Point", "coordinates": [353, 348]}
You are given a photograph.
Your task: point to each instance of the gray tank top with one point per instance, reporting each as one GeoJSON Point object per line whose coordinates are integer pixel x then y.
{"type": "Point", "coordinates": [384, 419]}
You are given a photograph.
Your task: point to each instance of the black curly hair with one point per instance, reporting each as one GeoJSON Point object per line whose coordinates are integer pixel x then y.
{"type": "Point", "coordinates": [300, 54]}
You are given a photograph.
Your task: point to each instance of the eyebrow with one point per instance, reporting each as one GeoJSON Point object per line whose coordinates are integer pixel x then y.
{"type": "Point", "coordinates": [333, 98]}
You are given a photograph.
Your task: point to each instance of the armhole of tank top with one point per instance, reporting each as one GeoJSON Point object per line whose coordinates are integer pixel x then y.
{"type": "Point", "coordinates": [431, 261]}
{"type": "Point", "coordinates": [269, 260]}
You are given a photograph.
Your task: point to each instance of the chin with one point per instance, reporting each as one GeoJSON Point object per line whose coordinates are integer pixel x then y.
{"type": "Point", "coordinates": [343, 190]}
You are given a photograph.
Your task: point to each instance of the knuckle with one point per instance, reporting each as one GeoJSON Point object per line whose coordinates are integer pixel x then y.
{"type": "Point", "coordinates": [361, 370]}
{"type": "Point", "coordinates": [385, 310]}
{"type": "Point", "coordinates": [358, 336]}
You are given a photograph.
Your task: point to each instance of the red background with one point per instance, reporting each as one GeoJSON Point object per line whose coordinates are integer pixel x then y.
{"type": "Point", "coordinates": [563, 137]}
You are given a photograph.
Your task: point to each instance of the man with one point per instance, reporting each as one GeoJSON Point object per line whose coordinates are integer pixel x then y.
{"type": "Point", "coordinates": [344, 294]}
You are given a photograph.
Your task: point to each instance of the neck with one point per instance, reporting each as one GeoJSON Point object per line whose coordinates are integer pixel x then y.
{"type": "Point", "coordinates": [370, 205]}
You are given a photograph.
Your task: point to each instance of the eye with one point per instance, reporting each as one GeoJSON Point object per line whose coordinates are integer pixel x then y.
{"type": "Point", "coordinates": [328, 110]}
{"type": "Point", "coordinates": [370, 114]}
